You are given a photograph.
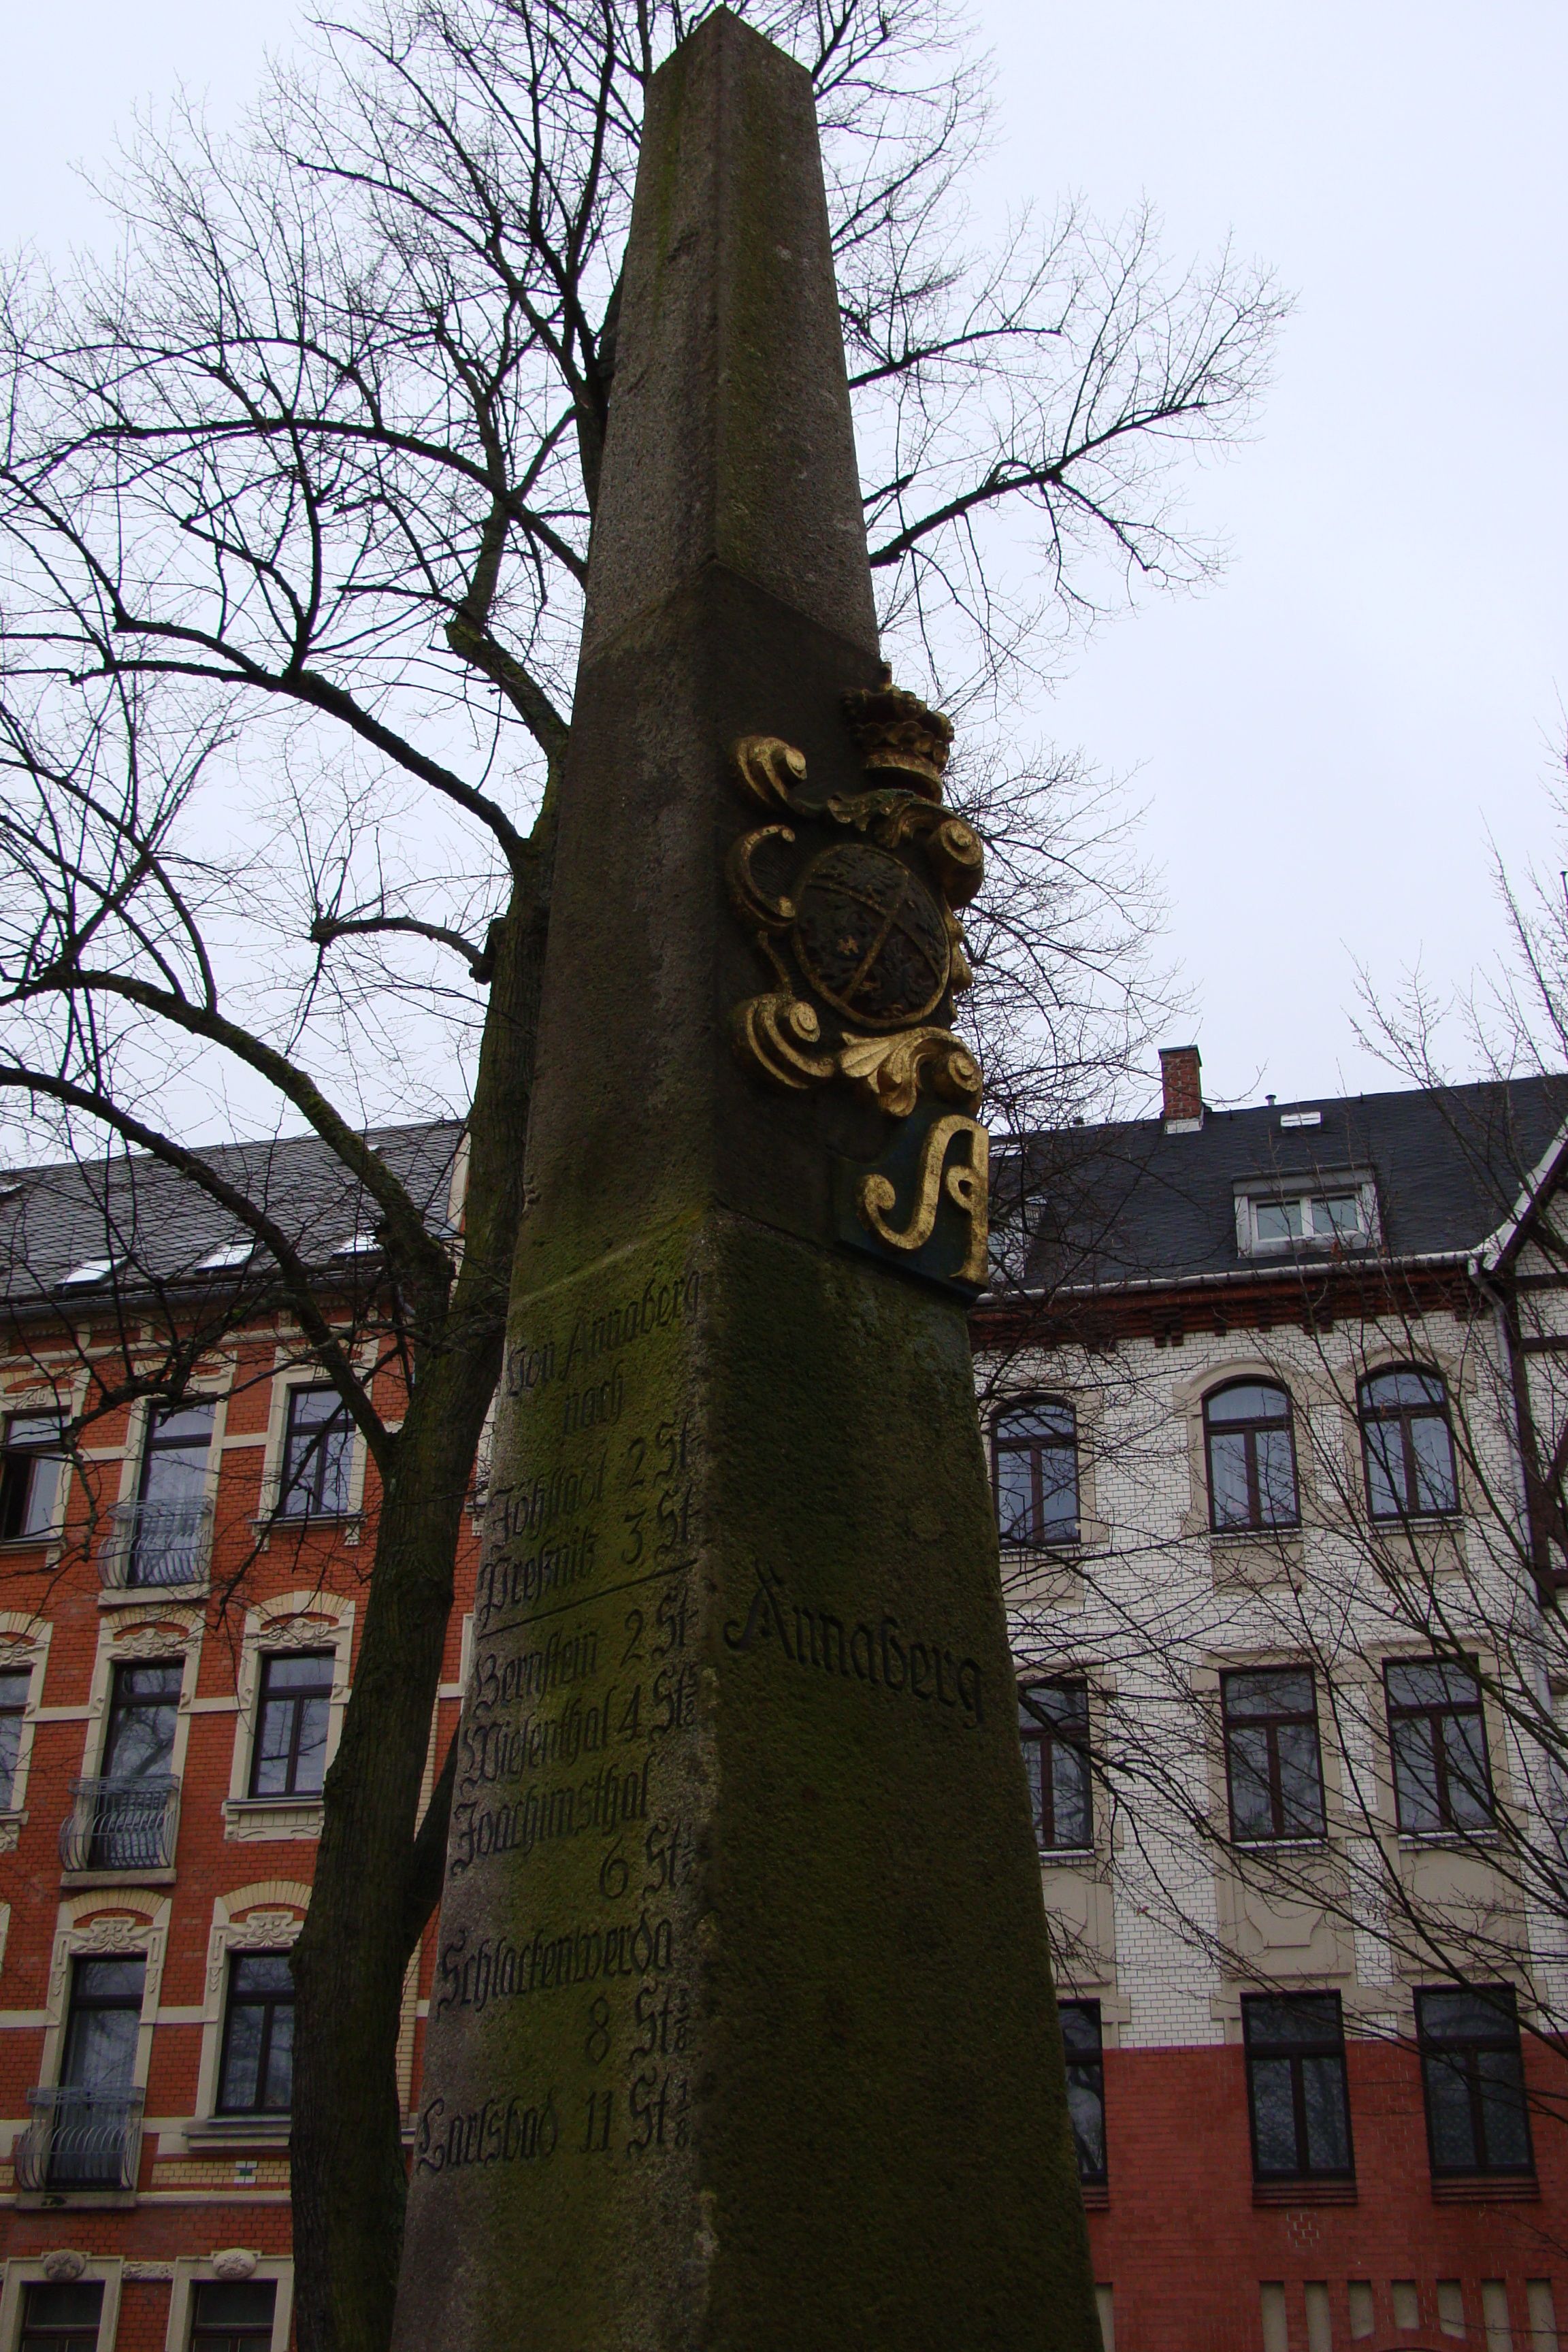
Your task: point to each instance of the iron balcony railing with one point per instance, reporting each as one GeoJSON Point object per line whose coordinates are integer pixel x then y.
{"type": "Point", "coordinates": [156, 1544]}
{"type": "Point", "coordinates": [121, 1824]}
{"type": "Point", "coordinates": [79, 2138]}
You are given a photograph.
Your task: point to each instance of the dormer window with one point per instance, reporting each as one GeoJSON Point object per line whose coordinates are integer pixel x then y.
{"type": "Point", "coordinates": [1327, 1216]}
{"type": "Point", "coordinates": [87, 1276]}
{"type": "Point", "coordinates": [229, 1253]}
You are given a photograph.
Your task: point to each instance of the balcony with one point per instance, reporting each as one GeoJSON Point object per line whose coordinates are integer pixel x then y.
{"type": "Point", "coordinates": [80, 2138]}
{"type": "Point", "coordinates": [152, 1546]}
{"type": "Point", "coordinates": [121, 1824]}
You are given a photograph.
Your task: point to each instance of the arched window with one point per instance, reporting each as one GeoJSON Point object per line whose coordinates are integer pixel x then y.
{"type": "Point", "coordinates": [1034, 1448]}
{"type": "Point", "coordinates": [1251, 1457]}
{"type": "Point", "coordinates": [1409, 1444]}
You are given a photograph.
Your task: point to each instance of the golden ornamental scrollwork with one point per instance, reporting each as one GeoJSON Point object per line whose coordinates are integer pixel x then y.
{"type": "Point", "coordinates": [859, 938]}
{"type": "Point", "coordinates": [893, 1070]}
{"type": "Point", "coordinates": [963, 1180]}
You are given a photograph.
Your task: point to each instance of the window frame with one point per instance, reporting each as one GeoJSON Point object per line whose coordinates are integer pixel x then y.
{"type": "Point", "coordinates": [138, 1927]}
{"type": "Point", "coordinates": [1294, 2054]}
{"type": "Point", "coordinates": [152, 1442]}
{"type": "Point", "coordinates": [295, 1701]}
{"type": "Point", "coordinates": [77, 2006]}
{"type": "Point", "coordinates": [1047, 1739]}
{"type": "Point", "coordinates": [38, 1410]}
{"type": "Point", "coordinates": [1254, 1526]}
{"type": "Point", "coordinates": [58, 2338]}
{"type": "Point", "coordinates": [1448, 1828]}
{"type": "Point", "coordinates": [1309, 1185]}
{"type": "Point", "coordinates": [24, 1649]}
{"type": "Point", "coordinates": [314, 1514]}
{"type": "Point", "coordinates": [1032, 1449]}
{"type": "Point", "coordinates": [1268, 1725]}
{"type": "Point", "coordinates": [197, 2335]}
{"type": "Point", "coordinates": [24, 2271]}
{"type": "Point", "coordinates": [76, 1951]}
{"type": "Point", "coordinates": [1096, 2065]}
{"type": "Point", "coordinates": [1403, 1415]}
{"type": "Point", "coordinates": [24, 1675]}
{"type": "Point", "coordinates": [265, 1916]}
{"type": "Point", "coordinates": [308, 1619]}
{"type": "Point", "coordinates": [1426, 2046]}
{"type": "Point", "coordinates": [114, 1708]}
{"type": "Point", "coordinates": [191, 2270]}
{"type": "Point", "coordinates": [270, 2003]}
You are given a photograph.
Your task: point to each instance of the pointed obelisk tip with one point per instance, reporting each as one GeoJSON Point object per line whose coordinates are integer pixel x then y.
{"type": "Point", "coordinates": [730, 438]}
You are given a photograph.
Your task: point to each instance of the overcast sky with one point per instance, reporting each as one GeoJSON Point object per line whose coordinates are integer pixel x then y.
{"type": "Point", "coordinates": [1325, 739]}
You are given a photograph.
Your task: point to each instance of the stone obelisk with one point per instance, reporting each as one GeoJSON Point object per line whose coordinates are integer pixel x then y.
{"type": "Point", "coordinates": [742, 2033]}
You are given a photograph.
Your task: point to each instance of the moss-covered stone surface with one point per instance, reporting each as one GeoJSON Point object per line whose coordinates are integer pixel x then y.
{"type": "Point", "coordinates": [742, 2031]}
{"type": "Point", "coordinates": [742, 2036]}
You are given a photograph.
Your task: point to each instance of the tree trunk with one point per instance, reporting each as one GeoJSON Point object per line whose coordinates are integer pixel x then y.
{"type": "Point", "coordinates": [348, 2164]}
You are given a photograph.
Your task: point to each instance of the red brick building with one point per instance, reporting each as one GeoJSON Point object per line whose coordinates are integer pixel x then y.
{"type": "Point", "coordinates": [180, 1604]}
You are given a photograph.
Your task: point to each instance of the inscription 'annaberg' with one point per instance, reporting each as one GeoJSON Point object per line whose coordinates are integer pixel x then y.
{"type": "Point", "coordinates": [883, 1657]}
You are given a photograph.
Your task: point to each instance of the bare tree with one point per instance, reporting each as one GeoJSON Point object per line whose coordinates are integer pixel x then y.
{"type": "Point", "coordinates": [296, 494]}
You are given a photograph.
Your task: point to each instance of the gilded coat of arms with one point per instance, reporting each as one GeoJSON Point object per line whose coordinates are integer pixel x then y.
{"type": "Point", "coordinates": [866, 946]}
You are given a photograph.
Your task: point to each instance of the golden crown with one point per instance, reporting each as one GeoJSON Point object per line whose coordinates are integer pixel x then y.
{"type": "Point", "coordinates": [899, 736]}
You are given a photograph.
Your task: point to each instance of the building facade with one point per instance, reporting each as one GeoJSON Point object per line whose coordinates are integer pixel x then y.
{"type": "Point", "coordinates": [1272, 1404]}
{"type": "Point", "coordinates": [181, 1591]}
{"type": "Point", "coordinates": [1263, 1388]}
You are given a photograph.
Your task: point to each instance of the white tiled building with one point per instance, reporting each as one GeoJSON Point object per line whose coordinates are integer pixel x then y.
{"type": "Point", "coordinates": [1273, 1406]}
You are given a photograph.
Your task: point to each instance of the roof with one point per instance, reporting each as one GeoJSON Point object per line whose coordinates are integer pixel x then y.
{"type": "Point", "coordinates": [1130, 1202]}
{"type": "Point", "coordinates": [158, 1225]}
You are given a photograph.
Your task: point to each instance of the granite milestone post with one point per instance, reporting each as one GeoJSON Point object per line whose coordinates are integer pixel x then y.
{"type": "Point", "coordinates": [742, 2033]}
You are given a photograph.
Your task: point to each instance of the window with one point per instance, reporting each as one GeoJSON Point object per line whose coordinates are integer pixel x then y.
{"type": "Point", "coordinates": [60, 2318]}
{"type": "Point", "coordinates": [1316, 1216]}
{"type": "Point", "coordinates": [1332, 1216]}
{"type": "Point", "coordinates": [290, 1758]}
{"type": "Point", "coordinates": [317, 1447]}
{"type": "Point", "coordinates": [1085, 2086]}
{"type": "Point", "coordinates": [1053, 1724]}
{"type": "Point", "coordinates": [1036, 1452]}
{"type": "Point", "coordinates": [88, 1273]}
{"type": "Point", "coordinates": [1472, 2074]}
{"type": "Point", "coordinates": [143, 1711]}
{"type": "Point", "coordinates": [30, 1478]}
{"type": "Point", "coordinates": [1251, 1457]}
{"type": "Point", "coordinates": [257, 2075]}
{"type": "Point", "coordinates": [14, 1689]}
{"type": "Point", "coordinates": [232, 2316]}
{"type": "Point", "coordinates": [130, 1808]}
{"type": "Point", "coordinates": [228, 1253]}
{"type": "Point", "coordinates": [1296, 2086]}
{"type": "Point", "coordinates": [1437, 1735]}
{"type": "Point", "coordinates": [1271, 1761]}
{"type": "Point", "coordinates": [97, 2070]}
{"type": "Point", "coordinates": [1409, 1445]}
{"type": "Point", "coordinates": [166, 1546]}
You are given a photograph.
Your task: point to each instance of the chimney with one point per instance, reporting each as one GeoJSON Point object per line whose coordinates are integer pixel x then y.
{"type": "Point", "coordinates": [1179, 1077]}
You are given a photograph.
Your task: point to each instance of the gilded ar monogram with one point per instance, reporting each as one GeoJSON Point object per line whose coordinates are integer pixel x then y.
{"type": "Point", "coordinates": [860, 943]}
